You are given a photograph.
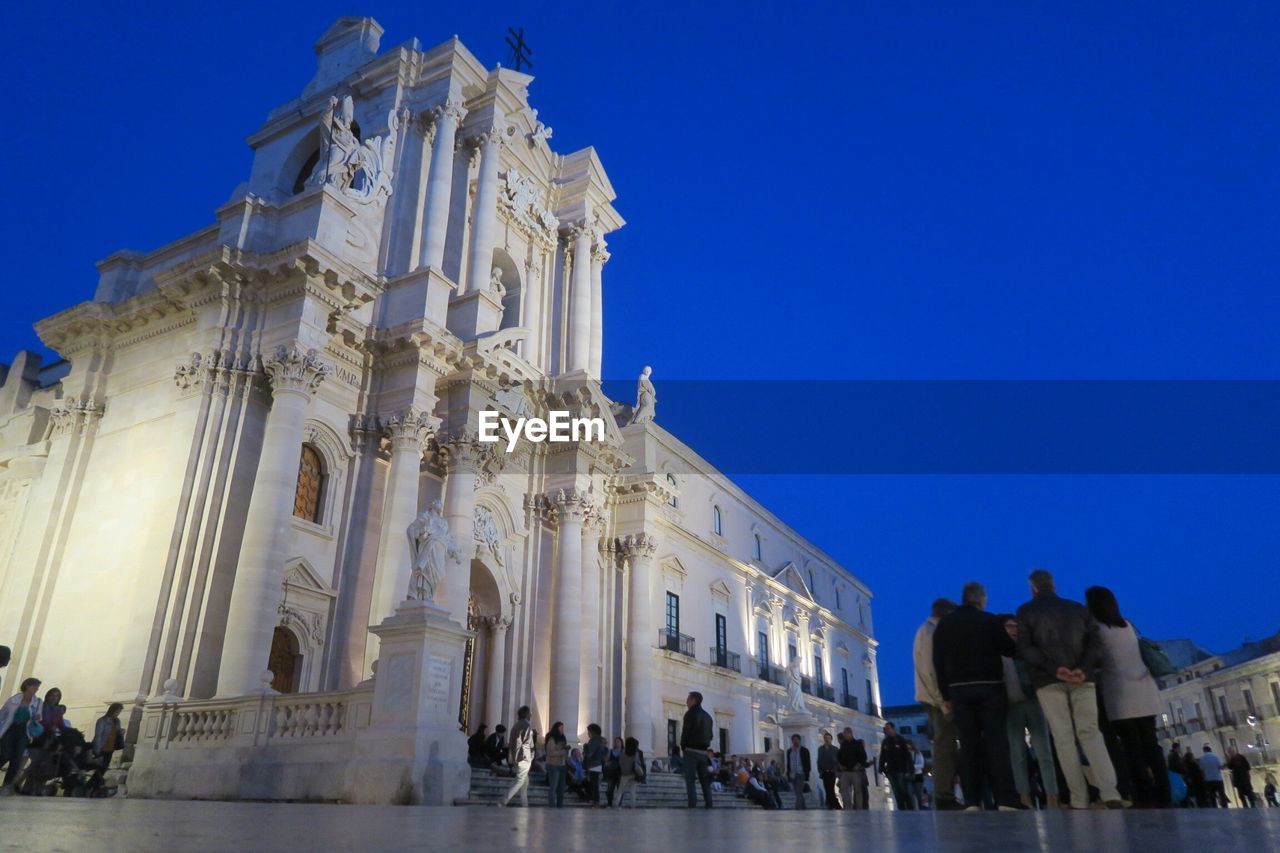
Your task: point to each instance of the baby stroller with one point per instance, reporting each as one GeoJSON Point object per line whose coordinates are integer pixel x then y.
{"type": "Point", "coordinates": [62, 762]}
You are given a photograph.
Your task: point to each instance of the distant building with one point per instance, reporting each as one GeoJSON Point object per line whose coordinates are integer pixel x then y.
{"type": "Point", "coordinates": [1228, 700]}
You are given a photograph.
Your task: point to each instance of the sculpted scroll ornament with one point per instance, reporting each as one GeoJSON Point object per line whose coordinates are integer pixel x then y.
{"type": "Point", "coordinates": [290, 369]}
{"type": "Point", "coordinates": [522, 195]}
{"type": "Point", "coordinates": [431, 547]}
{"type": "Point", "coordinates": [361, 171]}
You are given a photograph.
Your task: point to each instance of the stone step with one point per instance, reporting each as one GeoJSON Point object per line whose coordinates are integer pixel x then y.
{"type": "Point", "coordinates": [661, 790]}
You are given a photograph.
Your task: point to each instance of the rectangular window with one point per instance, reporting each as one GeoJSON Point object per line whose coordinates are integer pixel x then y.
{"type": "Point", "coordinates": [1199, 713]}
{"type": "Point", "coordinates": [1222, 706]}
{"type": "Point", "coordinates": [844, 681]}
{"type": "Point", "coordinates": [906, 730]}
{"type": "Point", "coordinates": [768, 744]}
{"type": "Point", "coordinates": [837, 598]}
{"type": "Point", "coordinates": [724, 742]}
{"type": "Point", "coordinates": [673, 614]}
{"type": "Point", "coordinates": [722, 634]}
{"type": "Point", "coordinates": [817, 670]}
{"type": "Point", "coordinates": [1275, 695]}
{"type": "Point", "coordinates": [791, 652]}
{"type": "Point", "coordinates": [1248, 701]}
{"type": "Point", "coordinates": [871, 705]}
{"type": "Point", "coordinates": [673, 736]}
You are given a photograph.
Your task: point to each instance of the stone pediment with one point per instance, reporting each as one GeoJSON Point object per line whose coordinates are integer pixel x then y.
{"type": "Point", "coordinates": [720, 589]}
{"type": "Point", "coordinates": [791, 577]}
{"type": "Point", "coordinates": [303, 575]}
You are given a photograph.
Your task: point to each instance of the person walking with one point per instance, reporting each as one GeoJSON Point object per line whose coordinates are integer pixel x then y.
{"type": "Point", "coordinates": [524, 742]}
{"type": "Point", "coordinates": [557, 748]}
{"type": "Point", "coordinates": [631, 771]}
{"type": "Point", "coordinates": [829, 768]}
{"type": "Point", "coordinates": [19, 725]}
{"type": "Point", "coordinates": [1240, 779]}
{"type": "Point", "coordinates": [897, 764]}
{"type": "Point", "coordinates": [1025, 718]}
{"type": "Point", "coordinates": [1196, 792]}
{"type": "Point", "coordinates": [695, 740]}
{"type": "Point", "coordinates": [968, 647]}
{"type": "Point", "coordinates": [927, 693]}
{"type": "Point", "coordinates": [1215, 793]}
{"type": "Point", "coordinates": [1131, 699]}
{"type": "Point", "coordinates": [1059, 643]}
{"type": "Point", "coordinates": [798, 767]}
{"type": "Point", "coordinates": [851, 761]}
{"type": "Point", "coordinates": [1269, 791]}
{"type": "Point", "coordinates": [594, 752]}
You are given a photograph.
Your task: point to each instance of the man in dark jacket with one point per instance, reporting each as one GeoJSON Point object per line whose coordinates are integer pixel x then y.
{"type": "Point", "coordinates": [897, 763]}
{"type": "Point", "coordinates": [828, 767]}
{"type": "Point", "coordinates": [968, 647]}
{"type": "Point", "coordinates": [695, 740]}
{"type": "Point", "coordinates": [798, 767]}
{"type": "Point", "coordinates": [852, 760]}
{"type": "Point", "coordinates": [1059, 642]}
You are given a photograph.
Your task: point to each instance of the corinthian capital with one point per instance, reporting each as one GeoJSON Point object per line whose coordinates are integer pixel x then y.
{"type": "Point", "coordinates": [408, 429]}
{"type": "Point", "coordinates": [290, 369]}
{"type": "Point", "coordinates": [637, 546]}
{"type": "Point", "coordinates": [568, 505]}
{"type": "Point", "coordinates": [464, 450]}
{"type": "Point", "coordinates": [451, 110]}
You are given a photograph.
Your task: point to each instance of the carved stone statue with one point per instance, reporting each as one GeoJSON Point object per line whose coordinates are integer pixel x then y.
{"type": "Point", "coordinates": [360, 170]}
{"type": "Point", "coordinates": [646, 399]}
{"type": "Point", "coordinates": [795, 692]}
{"type": "Point", "coordinates": [431, 546]}
{"type": "Point", "coordinates": [495, 283]}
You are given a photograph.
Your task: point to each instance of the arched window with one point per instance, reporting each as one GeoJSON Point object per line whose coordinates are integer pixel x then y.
{"type": "Point", "coordinates": [284, 661]}
{"type": "Point", "coordinates": [716, 526]}
{"type": "Point", "coordinates": [671, 481]}
{"type": "Point", "coordinates": [304, 174]}
{"type": "Point", "coordinates": [310, 488]}
{"type": "Point", "coordinates": [759, 548]}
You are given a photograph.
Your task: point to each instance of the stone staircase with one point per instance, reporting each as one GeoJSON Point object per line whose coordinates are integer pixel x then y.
{"type": "Point", "coordinates": [660, 791]}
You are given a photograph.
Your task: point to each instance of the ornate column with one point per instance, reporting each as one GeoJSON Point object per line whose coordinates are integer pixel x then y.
{"type": "Point", "coordinates": [294, 378]}
{"type": "Point", "coordinates": [591, 647]}
{"type": "Point", "coordinates": [446, 119]}
{"type": "Point", "coordinates": [494, 711]}
{"type": "Point", "coordinates": [464, 456]}
{"type": "Point", "coordinates": [484, 218]}
{"type": "Point", "coordinates": [578, 240]}
{"type": "Point", "coordinates": [638, 551]}
{"type": "Point", "coordinates": [566, 656]}
{"type": "Point", "coordinates": [599, 258]}
{"type": "Point", "coordinates": [408, 432]}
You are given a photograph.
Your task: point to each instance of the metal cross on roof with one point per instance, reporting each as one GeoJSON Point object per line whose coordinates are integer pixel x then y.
{"type": "Point", "coordinates": [521, 53]}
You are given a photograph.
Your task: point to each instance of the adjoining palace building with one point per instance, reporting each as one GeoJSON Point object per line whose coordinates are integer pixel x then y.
{"type": "Point", "coordinates": [217, 481]}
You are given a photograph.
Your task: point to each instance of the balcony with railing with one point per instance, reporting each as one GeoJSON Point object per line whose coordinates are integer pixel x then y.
{"type": "Point", "coordinates": [848, 701]}
{"type": "Point", "coordinates": [824, 691]}
{"type": "Point", "coordinates": [1223, 720]}
{"type": "Point", "coordinates": [806, 685]}
{"type": "Point", "coordinates": [766, 671]}
{"type": "Point", "coordinates": [681, 644]}
{"type": "Point", "coordinates": [1265, 712]}
{"type": "Point", "coordinates": [725, 659]}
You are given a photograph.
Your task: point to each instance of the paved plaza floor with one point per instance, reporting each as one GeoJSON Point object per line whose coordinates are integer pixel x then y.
{"type": "Point", "coordinates": [121, 824]}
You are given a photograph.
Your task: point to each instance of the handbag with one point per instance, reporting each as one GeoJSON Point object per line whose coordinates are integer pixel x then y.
{"type": "Point", "coordinates": [1155, 659]}
{"type": "Point", "coordinates": [34, 730]}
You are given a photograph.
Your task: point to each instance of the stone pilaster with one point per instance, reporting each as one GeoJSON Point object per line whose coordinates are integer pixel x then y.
{"type": "Point", "coordinates": [578, 239]}
{"type": "Point", "coordinates": [464, 457]}
{"type": "Point", "coordinates": [446, 119]}
{"type": "Point", "coordinates": [294, 377]}
{"type": "Point", "coordinates": [637, 551]}
{"type": "Point", "coordinates": [407, 432]}
{"type": "Point", "coordinates": [599, 258]}
{"type": "Point", "coordinates": [484, 218]}
{"type": "Point", "coordinates": [494, 710]}
{"type": "Point", "coordinates": [592, 647]}
{"type": "Point", "coordinates": [568, 509]}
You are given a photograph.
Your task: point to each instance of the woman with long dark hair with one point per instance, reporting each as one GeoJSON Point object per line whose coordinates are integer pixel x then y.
{"type": "Point", "coordinates": [557, 756]}
{"type": "Point", "coordinates": [1131, 700]}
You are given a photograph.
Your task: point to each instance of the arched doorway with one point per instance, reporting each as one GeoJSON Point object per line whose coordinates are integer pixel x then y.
{"type": "Point", "coordinates": [285, 662]}
{"type": "Point", "coordinates": [483, 607]}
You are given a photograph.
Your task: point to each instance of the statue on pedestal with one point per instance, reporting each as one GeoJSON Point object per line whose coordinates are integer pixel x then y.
{"type": "Point", "coordinates": [795, 692]}
{"type": "Point", "coordinates": [646, 399]}
{"type": "Point", "coordinates": [431, 546]}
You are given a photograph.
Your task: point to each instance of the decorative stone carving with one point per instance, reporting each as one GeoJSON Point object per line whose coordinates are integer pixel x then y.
{"type": "Point", "coordinates": [637, 546]}
{"type": "Point", "coordinates": [522, 195]}
{"type": "Point", "coordinates": [540, 132]}
{"type": "Point", "coordinates": [361, 171]}
{"type": "Point", "coordinates": [496, 286]}
{"type": "Point", "coordinates": [189, 373]}
{"type": "Point", "coordinates": [646, 399]}
{"type": "Point", "coordinates": [409, 429]}
{"type": "Point", "coordinates": [567, 505]}
{"type": "Point", "coordinates": [71, 416]}
{"type": "Point", "coordinates": [431, 547]}
{"type": "Point", "coordinates": [289, 369]}
{"type": "Point", "coordinates": [486, 532]}
{"type": "Point", "coordinates": [308, 623]}
{"type": "Point", "coordinates": [451, 110]}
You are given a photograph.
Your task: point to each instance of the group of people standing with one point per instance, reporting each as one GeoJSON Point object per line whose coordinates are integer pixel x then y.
{"type": "Point", "coordinates": [1203, 778]}
{"type": "Point", "coordinates": [620, 766]}
{"type": "Point", "coordinates": [1064, 675]}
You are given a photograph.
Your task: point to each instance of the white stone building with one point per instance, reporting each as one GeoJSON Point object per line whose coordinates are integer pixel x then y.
{"type": "Point", "coordinates": [218, 479]}
{"type": "Point", "coordinates": [1228, 700]}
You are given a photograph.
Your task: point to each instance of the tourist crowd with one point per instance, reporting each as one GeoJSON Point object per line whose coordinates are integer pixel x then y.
{"type": "Point", "coordinates": [41, 752]}
{"type": "Point", "coordinates": [1054, 705]}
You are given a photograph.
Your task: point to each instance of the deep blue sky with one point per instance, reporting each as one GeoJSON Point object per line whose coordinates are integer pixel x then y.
{"type": "Point", "coordinates": [818, 191]}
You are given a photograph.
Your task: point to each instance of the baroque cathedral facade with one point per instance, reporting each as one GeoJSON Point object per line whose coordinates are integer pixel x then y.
{"type": "Point", "coordinates": [208, 494]}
